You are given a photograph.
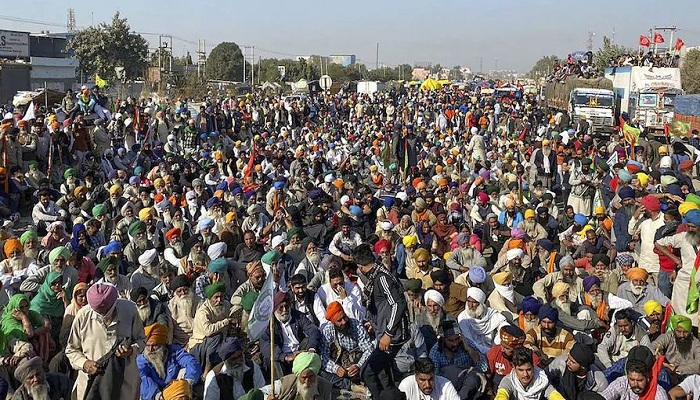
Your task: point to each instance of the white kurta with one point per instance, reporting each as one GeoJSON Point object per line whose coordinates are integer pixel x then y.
{"type": "Point", "coordinates": [90, 339]}
{"type": "Point", "coordinates": [679, 297]}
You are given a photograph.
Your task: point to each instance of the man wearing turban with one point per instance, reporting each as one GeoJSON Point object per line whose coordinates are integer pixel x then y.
{"type": "Point", "coordinates": [500, 356]}
{"type": "Point", "coordinates": [455, 294]}
{"type": "Point", "coordinates": [566, 274]}
{"type": "Point", "coordinates": [346, 347]}
{"type": "Point", "coordinates": [573, 314]}
{"type": "Point", "coordinates": [147, 274]}
{"type": "Point", "coordinates": [178, 390]}
{"type": "Point", "coordinates": [338, 289]}
{"type": "Point", "coordinates": [681, 348]}
{"type": "Point", "coordinates": [465, 256]}
{"type": "Point", "coordinates": [429, 319]}
{"type": "Point", "coordinates": [504, 298]}
{"type": "Point", "coordinates": [576, 372]}
{"type": "Point", "coordinates": [638, 291]}
{"type": "Point", "coordinates": [89, 340]}
{"type": "Point", "coordinates": [422, 268]}
{"type": "Point", "coordinates": [256, 280]}
{"type": "Point", "coordinates": [16, 262]}
{"type": "Point", "coordinates": [235, 375]}
{"type": "Point", "coordinates": [652, 319]}
{"type": "Point", "coordinates": [160, 363]}
{"type": "Point", "coordinates": [36, 384]}
{"type": "Point", "coordinates": [548, 340]}
{"type": "Point", "coordinates": [480, 322]}
{"type": "Point", "coordinates": [58, 262]}
{"type": "Point", "coordinates": [211, 325]}
{"type": "Point", "coordinates": [182, 306]}
{"type": "Point", "coordinates": [304, 382]}
{"type": "Point", "coordinates": [623, 335]}
{"type": "Point", "coordinates": [138, 244]}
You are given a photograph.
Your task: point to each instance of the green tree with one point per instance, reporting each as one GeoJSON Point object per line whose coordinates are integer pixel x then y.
{"type": "Point", "coordinates": [225, 62]}
{"type": "Point", "coordinates": [543, 66]}
{"type": "Point", "coordinates": [102, 48]}
{"type": "Point", "coordinates": [608, 52]}
{"type": "Point", "coordinates": [690, 72]}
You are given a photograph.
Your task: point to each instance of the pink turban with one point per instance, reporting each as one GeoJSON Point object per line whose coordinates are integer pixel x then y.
{"type": "Point", "coordinates": [483, 197]}
{"type": "Point", "coordinates": [101, 295]}
{"type": "Point", "coordinates": [475, 241]}
{"type": "Point", "coordinates": [517, 233]}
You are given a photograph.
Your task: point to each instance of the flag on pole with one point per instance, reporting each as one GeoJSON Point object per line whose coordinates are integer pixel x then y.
{"type": "Point", "coordinates": [101, 83]}
{"type": "Point", "coordinates": [29, 115]}
{"type": "Point", "coordinates": [612, 160]}
{"type": "Point", "coordinates": [631, 134]}
{"type": "Point", "coordinates": [691, 305]}
{"type": "Point", "coordinates": [251, 162]}
{"type": "Point", "coordinates": [261, 312]}
{"type": "Point", "coordinates": [644, 41]}
{"type": "Point", "coordinates": [658, 38]}
{"type": "Point", "coordinates": [679, 44]}
{"type": "Point", "coordinates": [679, 129]}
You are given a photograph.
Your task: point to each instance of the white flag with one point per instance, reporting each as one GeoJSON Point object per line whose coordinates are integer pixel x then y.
{"type": "Point", "coordinates": [259, 318]}
{"type": "Point", "coordinates": [30, 113]}
{"type": "Point", "coordinates": [612, 160]}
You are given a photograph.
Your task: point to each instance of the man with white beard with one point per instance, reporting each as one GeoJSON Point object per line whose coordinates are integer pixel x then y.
{"type": "Point", "coordinates": [195, 260]}
{"type": "Point", "coordinates": [211, 326]}
{"type": "Point", "coordinates": [466, 256]}
{"type": "Point", "coordinates": [572, 314]}
{"type": "Point", "coordinates": [479, 322]}
{"type": "Point", "coordinates": [204, 227]}
{"type": "Point", "coordinates": [182, 308]}
{"type": "Point", "coordinates": [121, 230]}
{"type": "Point", "coordinates": [115, 202]}
{"type": "Point", "coordinates": [177, 221]}
{"type": "Point", "coordinates": [109, 266]}
{"type": "Point", "coordinates": [309, 266]}
{"type": "Point", "coordinates": [58, 261]}
{"type": "Point", "coordinates": [173, 247]}
{"type": "Point", "coordinates": [37, 385]}
{"type": "Point", "coordinates": [428, 321]}
{"type": "Point", "coordinates": [532, 228]}
{"type": "Point", "coordinates": [138, 244]}
{"type": "Point", "coordinates": [14, 267]}
{"type": "Point", "coordinates": [303, 383]}
{"type": "Point", "coordinates": [150, 310]}
{"type": "Point", "coordinates": [566, 274]}
{"type": "Point", "coordinates": [638, 291]}
{"type": "Point", "coordinates": [161, 363]}
{"type": "Point", "coordinates": [234, 376]}
{"type": "Point", "coordinates": [147, 274]}
{"type": "Point", "coordinates": [30, 243]}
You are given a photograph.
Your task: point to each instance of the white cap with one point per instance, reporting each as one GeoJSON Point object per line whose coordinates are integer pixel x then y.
{"type": "Point", "coordinates": [149, 257]}
{"type": "Point", "coordinates": [665, 162]}
{"type": "Point", "coordinates": [387, 225]}
{"type": "Point", "coordinates": [329, 178]}
{"type": "Point", "coordinates": [402, 196]}
{"type": "Point", "coordinates": [345, 199]}
{"type": "Point", "coordinates": [278, 240]}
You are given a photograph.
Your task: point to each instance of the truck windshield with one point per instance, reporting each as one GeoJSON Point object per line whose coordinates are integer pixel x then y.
{"type": "Point", "coordinates": [593, 100]}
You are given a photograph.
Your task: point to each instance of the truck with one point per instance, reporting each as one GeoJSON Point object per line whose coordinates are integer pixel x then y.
{"type": "Point", "coordinates": [592, 98]}
{"type": "Point", "coordinates": [646, 94]}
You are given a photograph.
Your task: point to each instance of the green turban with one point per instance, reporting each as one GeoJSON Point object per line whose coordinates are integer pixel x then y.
{"type": "Point", "coordinates": [682, 322]}
{"type": "Point", "coordinates": [292, 232]}
{"type": "Point", "coordinates": [213, 289]}
{"type": "Point", "coordinates": [108, 261]}
{"type": "Point", "coordinates": [248, 300]}
{"type": "Point", "coordinates": [59, 251]}
{"type": "Point", "coordinates": [70, 171]}
{"type": "Point", "coordinates": [271, 257]}
{"type": "Point", "coordinates": [304, 361]}
{"type": "Point", "coordinates": [98, 210]}
{"type": "Point", "coordinates": [254, 394]}
{"type": "Point", "coordinates": [136, 227]}
{"type": "Point", "coordinates": [28, 235]}
{"type": "Point", "coordinates": [413, 285]}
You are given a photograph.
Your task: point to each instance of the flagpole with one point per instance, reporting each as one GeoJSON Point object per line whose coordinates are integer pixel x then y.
{"type": "Point", "coordinates": [272, 352]}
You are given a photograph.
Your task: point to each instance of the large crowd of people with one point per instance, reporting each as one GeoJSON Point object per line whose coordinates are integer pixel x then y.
{"type": "Point", "coordinates": [405, 245]}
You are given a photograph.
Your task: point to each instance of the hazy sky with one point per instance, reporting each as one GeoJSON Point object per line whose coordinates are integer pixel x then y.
{"type": "Point", "coordinates": [511, 34]}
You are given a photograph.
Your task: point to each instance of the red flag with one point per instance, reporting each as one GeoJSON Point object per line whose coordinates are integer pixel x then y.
{"type": "Point", "coordinates": [679, 44]}
{"type": "Point", "coordinates": [667, 129]}
{"type": "Point", "coordinates": [251, 162]}
{"type": "Point", "coordinates": [644, 41]}
{"type": "Point", "coordinates": [658, 38]}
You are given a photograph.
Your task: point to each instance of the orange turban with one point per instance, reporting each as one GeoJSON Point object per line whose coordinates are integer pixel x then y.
{"type": "Point", "coordinates": [169, 235]}
{"type": "Point", "coordinates": [334, 312]}
{"type": "Point", "coordinates": [12, 245]}
{"type": "Point", "coordinates": [515, 244]}
{"type": "Point", "coordinates": [177, 389]}
{"type": "Point", "coordinates": [637, 274]}
{"type": "Point", "coordinates": [156, 334]}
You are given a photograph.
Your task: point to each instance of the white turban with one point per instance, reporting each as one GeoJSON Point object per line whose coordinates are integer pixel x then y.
{"type": "Point", "coordinates": [435, 296]}
{"type": "Point", "coordinates": [217, 250]}
{"type": "Point", "coordinates": [387, 225]}
{"type": "Point", "coordinates": [513, 254]}
{"type": "Point", "coordinates": [476, 294]}
{"type": "Point", "coordinates": [149, 257]}
{"type": "Point", "coordinates": [666, 162]}
{"type": "Point", "coordinates": [474, 130]}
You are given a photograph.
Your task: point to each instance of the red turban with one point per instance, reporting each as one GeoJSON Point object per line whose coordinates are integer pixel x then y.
{"type": "Point", "coordinates": [685, 165]}
{"type": "Point", "coordinates": [334, 312]}
{"type": "Point", "coordinates": [101, 295]}
{"type": "Point", "coordinates": [172, 233]}
{"type": "Point", "coordinates": [382, 245]}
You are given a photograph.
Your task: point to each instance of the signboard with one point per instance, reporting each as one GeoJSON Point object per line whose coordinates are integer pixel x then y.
{"type": "Point", "coordinates": [14, 44]}
{"type": "Point", "coordinates": [282, 70]}
{"type": "Point", "coordinates": [657, 78]}
{"type": "Point", "coordinates": [325, 82]}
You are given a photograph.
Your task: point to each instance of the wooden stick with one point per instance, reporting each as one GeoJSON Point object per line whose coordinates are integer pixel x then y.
{"type": "Point", "coordinates": [272, 352]}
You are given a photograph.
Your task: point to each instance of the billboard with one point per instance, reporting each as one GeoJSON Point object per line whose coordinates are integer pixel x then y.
{"type": "Point", "coordinates": [14, 44]}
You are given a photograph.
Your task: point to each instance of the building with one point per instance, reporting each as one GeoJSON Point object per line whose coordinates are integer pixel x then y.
{"type": "Point", "coordinates": [14, 63]}
{"type": "Point", "coordinates": [52, 64]}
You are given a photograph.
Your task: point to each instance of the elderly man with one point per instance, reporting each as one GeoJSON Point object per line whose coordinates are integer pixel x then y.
{"type": "Point", "coordinates": [211, 324]}
{"type": "Point", "coordinates": [547, 340]}
{"type": "Point", "coordinates": [183, 307]}
{"type": "Point", "coordinates": [345, 348]}
{"type": "Point", "coordinates": [58, 262]}
{"type": "Point", "coordinates": [524, 276]}
{"type": "Point", "coordinates": [574, 373]}
{"type": "Point", "coordinates": [160, 363]}
{"type": "Point", "coordinates": [36, 384]}
{"type": "Point", "coordinates": [150, 310]}
{"type": "Point", "coordinates": [457, 358]}
{"type": "Point", "coordinates": [216, 272]}
{"type": "Point", "coordinates": [681, 348]}
{"type": "Point", "coordinates": [623, 336]}
{"type": "Point", "coordinates": [293, 332]}
{"type": "Point", "coordinates": [504, 299]}
{"type": "Point", "coordinates": [647, 219]}
{"type": "Point", "coordinates": [138, 244]}
{"type": "Point", "coordinates": [455, 295]}
{"type": "Point", "coordinates": [147, 275]}
{"type": "Point", "coordinates": [303, 383]}
{"type": "Point", "coordinates": [500, 356]}
{"type": "Point", "coordinates": [338, 289]}
{"type": "Point", "coordinates": [652, 319]}
{"type": "Point", "coordinates": [572, 314]}
{"type": "Point", "coordinates": [429, 319]}
{"type": "Point", "coordinates": [108, 327]}
{"type": "Point", "coordinates": [256, 279]}
{"type": "Point", "coordinates": [479, 322]}
{"type": "Point", "coordinates": [532, 228]}
{"type": "Point", "coordinates": [527, 317]}
{"type": "Point", "coordinates": [567, 274]}
{"type": "Point", "coordinates": [465, 256]}
{"type": "Point", "coordinates": [425, 383]}
{"type": "Point", "coordinates": [109, 266]}
{"type": "Point", "coordinates": [638, 291]}
{"type": "Point", "coordinates": [234, 376]}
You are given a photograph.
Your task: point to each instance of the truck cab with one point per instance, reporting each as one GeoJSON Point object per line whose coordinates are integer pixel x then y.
{"type": "Point", "coordinates": [596, 104]}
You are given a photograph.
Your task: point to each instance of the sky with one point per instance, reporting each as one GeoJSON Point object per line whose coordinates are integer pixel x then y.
{"type": "Point", "coordinates": [501, 34]}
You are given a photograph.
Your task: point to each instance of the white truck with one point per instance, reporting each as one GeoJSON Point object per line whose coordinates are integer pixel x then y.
{"type": "Point", "coordinates": [646, 94]}
{"type": "Point", "coordinates": [593, 98]}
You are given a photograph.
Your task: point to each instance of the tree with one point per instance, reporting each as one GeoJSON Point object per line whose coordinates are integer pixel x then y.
{"type": "Point", "coordinates": [225, 62]}
{"type": "Point", "coordinates": [608, 52]}
{"type": "Point", "coordinates": [102, 48]}
{"type": "Point", "coordinates": [690, 72]}
{"type": "Point", "coordinates": [543, 66]}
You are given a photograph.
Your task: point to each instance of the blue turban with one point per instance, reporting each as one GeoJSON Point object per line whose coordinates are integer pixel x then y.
{"type": "Point", "coordinates": [626, 193]}
{"type": "Point", "coordinates": [531, 304]}
{"type": "Point", "coordinates": [546, 244]}
{"type": "Point", "coordinates": [693, 217]}
{"type": "Point", "coordinates": [548, 312]}
{"type": "Point", "coordinates": [112, 247]}
{"type": "Point", "coordinates": [229, 347]}
{"type": "Point", "coordinates": [218, 266]}
{"type": "Point", "coordinates": [625, 176]}
{"type": "Point", "coordinates": [314, 194]}
{"type": "Point", "coordinates": [477, 274]}
{"type": "Point", "coordinates": [237, 190]}
{"type": "Point", "coordinates": [205, 223]}
{"type": "Point", "coordinates": [675, 189]}
{"type": "Point", "coordinates": [278, 185]}
{"type": "Point", "coordinates": [580, 219]}
{"type": "Point", "coordinates": [212, 202]}
{"type": "Point", "coordinates": [589, 282]}
{"type": "Point", "coordinates": [462, 238]}
{"type": "Point", "coordinates": [388, 202]}
{"type": "Point", "coordinates": [355, 210]}
{"type": "Point", "coordinates": [222, 186]}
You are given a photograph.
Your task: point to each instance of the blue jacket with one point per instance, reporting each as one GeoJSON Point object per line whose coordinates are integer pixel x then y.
{"type": "Point", "coordinates": [622, 236]}
{"type": "Point", "coordinates": [178, 358]}
{"type": "Point", "coordinates": [516, 221]}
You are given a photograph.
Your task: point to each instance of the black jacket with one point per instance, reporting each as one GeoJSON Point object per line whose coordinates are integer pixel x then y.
{"type": "Point", "coordinates": [302, 327]}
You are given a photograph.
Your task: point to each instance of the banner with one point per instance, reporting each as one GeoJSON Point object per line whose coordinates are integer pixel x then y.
{"type": "Point", "coordinates": [644, 41]}
{"type": "Point", "coordinates": [679, 129]}
{"type": "Point", "coordinates": [658, 38]}
{"type": "Point", "coordinates": [101, 83]}
{"type": "Point", "coordinates": [29, 115]}
{"type": "Point", "coordinates": [261, 312]}
{"type": "Point", "coordinates": [631, 134]}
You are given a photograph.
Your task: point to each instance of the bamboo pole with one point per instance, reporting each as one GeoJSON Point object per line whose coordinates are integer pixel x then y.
{"type": "Point", "coordinates": [272, 351]}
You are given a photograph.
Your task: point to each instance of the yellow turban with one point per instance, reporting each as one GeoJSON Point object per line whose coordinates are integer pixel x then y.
{"type": "Point", "coordinates": [559, 289]}
{"type": "Point", "coordinates": [634, 274]}
{"type": "Point", "coordinates": [156, 334]}
{"type": "Point", "coordinates": [410, 240]}
{"type": "Point", "coordinates": [177, 389]}
{"type": "Point", "coordinates": [78, 190]}
{"type": "Point", "coordinates": [643, 179]}
{"type": "Point", "coordinates": [529, 213]}
{"type": "Point", "coordinates": [599, 210]}
{"type": "Point", "coordinates": [115, 189]}
{"type": "Point", "coordinates": [652, 306]}
{"type": "Point", "coordinates": [502, 277]}
{"type": "Point", "coordinates": [158, 182]}
{"type": "Point", "coordinates": [421, 255]}
{"type": "Point", "coordinates": [145, 213]}
{"type": "Point", "coordinates": [447, 255]}
{"type": "Point", "coordinates": [510, 203]}
{"type": "Point", "coordinates": [686, 206]}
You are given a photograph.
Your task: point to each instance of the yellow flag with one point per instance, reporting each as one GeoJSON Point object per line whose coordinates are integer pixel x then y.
{"type": "Point", "coordinates": [101, 83]}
